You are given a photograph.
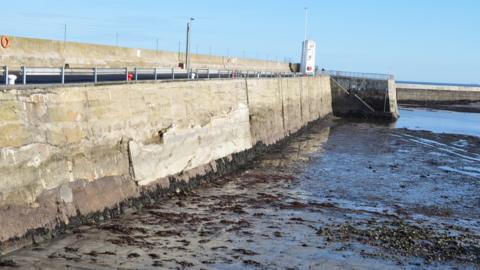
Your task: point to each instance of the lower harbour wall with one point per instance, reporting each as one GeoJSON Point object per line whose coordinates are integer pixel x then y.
{"type": "Point", "coordinates": [364, 97]}
{"type": "Point", "coordinates": [70, 155]}
{"type": "Point", "coordinates": [424, 94]}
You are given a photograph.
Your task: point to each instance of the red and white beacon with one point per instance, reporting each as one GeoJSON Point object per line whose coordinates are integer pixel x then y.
{"type": "Point", "coordinates": [307, 66]}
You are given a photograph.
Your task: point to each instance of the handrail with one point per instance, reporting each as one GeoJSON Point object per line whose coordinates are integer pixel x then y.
{"type": "Point", "coordinates": [168, 73]}
{"type": "Point", "coordinates": [363, 75]}
{"type": "Point", "coordinates": [138, 73]}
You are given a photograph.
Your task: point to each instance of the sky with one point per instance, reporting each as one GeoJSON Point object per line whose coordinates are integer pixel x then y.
{"type": "Point", "coordinates": [416, 40]}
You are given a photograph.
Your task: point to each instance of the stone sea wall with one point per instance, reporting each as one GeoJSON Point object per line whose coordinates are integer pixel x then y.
{"type": "Point", "coordinates": [32, 52]}
{"type": "Point", "coordinates": [67, 152]}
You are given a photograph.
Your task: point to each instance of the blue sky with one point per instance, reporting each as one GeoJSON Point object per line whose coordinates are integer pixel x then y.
{"type": "Point", "coordinates": [422, 40]}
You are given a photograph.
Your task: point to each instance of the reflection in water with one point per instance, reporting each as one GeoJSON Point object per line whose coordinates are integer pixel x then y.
{"type": "Point", "coordinates": [439, 121]}
{"type": "Point", "coordinates": [298, 150]}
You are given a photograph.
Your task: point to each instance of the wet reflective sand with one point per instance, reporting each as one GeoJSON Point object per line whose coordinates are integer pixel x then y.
{"type": "Point", "coordinates": [346, 196]}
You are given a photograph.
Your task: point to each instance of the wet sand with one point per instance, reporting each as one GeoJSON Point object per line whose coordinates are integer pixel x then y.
{"type": "Point", "coordinates": [346, 196]}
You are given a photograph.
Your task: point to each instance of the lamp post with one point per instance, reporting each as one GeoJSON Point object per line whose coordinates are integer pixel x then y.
{"type": "Point", "coordinates": [306, 21]}
{"type": "Point", "coordinates": [65, 33]}
{"type": "Point", "coordinates": [187, 49]}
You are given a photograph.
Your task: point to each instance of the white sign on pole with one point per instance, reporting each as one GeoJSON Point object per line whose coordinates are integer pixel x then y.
{"type": "Point", "coordinates": [308, 57]}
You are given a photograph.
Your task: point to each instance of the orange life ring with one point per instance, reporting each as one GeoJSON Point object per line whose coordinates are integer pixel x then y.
{"type": "Point", "coordinates": [5, 42]}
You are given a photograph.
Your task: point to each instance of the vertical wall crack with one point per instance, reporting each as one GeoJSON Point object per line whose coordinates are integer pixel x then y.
{"type": "Point", "coordinates": [246, 92]}
{"type": "Point", "coordinates": [301, 100]}
{"type": "Point", "coordinates": [283, 105]}
{"type": "Point", "coordinates": [131, 169]}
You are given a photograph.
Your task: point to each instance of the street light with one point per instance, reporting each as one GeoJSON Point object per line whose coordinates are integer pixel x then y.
{"type": "Point", "coordinates": [306, 20]}
{"type": "Point", "coordinates": [187, 49]}
{"type": "Point", "coordinates": [65, 33]}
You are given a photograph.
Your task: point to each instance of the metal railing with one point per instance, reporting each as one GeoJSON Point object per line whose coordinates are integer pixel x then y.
{"type": "Point", "coordinates": [362, 75]}
{"type": "Point", "coordinates": [61, 75]}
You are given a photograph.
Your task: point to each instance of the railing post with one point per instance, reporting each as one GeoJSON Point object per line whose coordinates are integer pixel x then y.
{"type": "Point", "coordinates": [156, 74]}
{"type": "Point", "coordinates": [208, 73]}
{"type": "Point", "coordinates": [24, 74]}
{"type": "Point", "coordinates": [63, 75]}
{"type": "Point", "coordinates": [5, 73]}
{"type": "Point", "coordinates": [95, 75]}
{"type": "Point", "coordinates": [219, 74]}
{"type": "Point", "coordinates": [173, 73]}
{"type": "Point", "coordinates": [136, 74]}
{"type": "Point", "coordinates": [126, 74]}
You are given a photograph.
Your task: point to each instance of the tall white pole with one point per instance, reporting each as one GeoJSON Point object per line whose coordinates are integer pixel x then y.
{"type": "Point", "coordinates": [187, 49]}
{"type": "Point", "coordinates": [306, 21]}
